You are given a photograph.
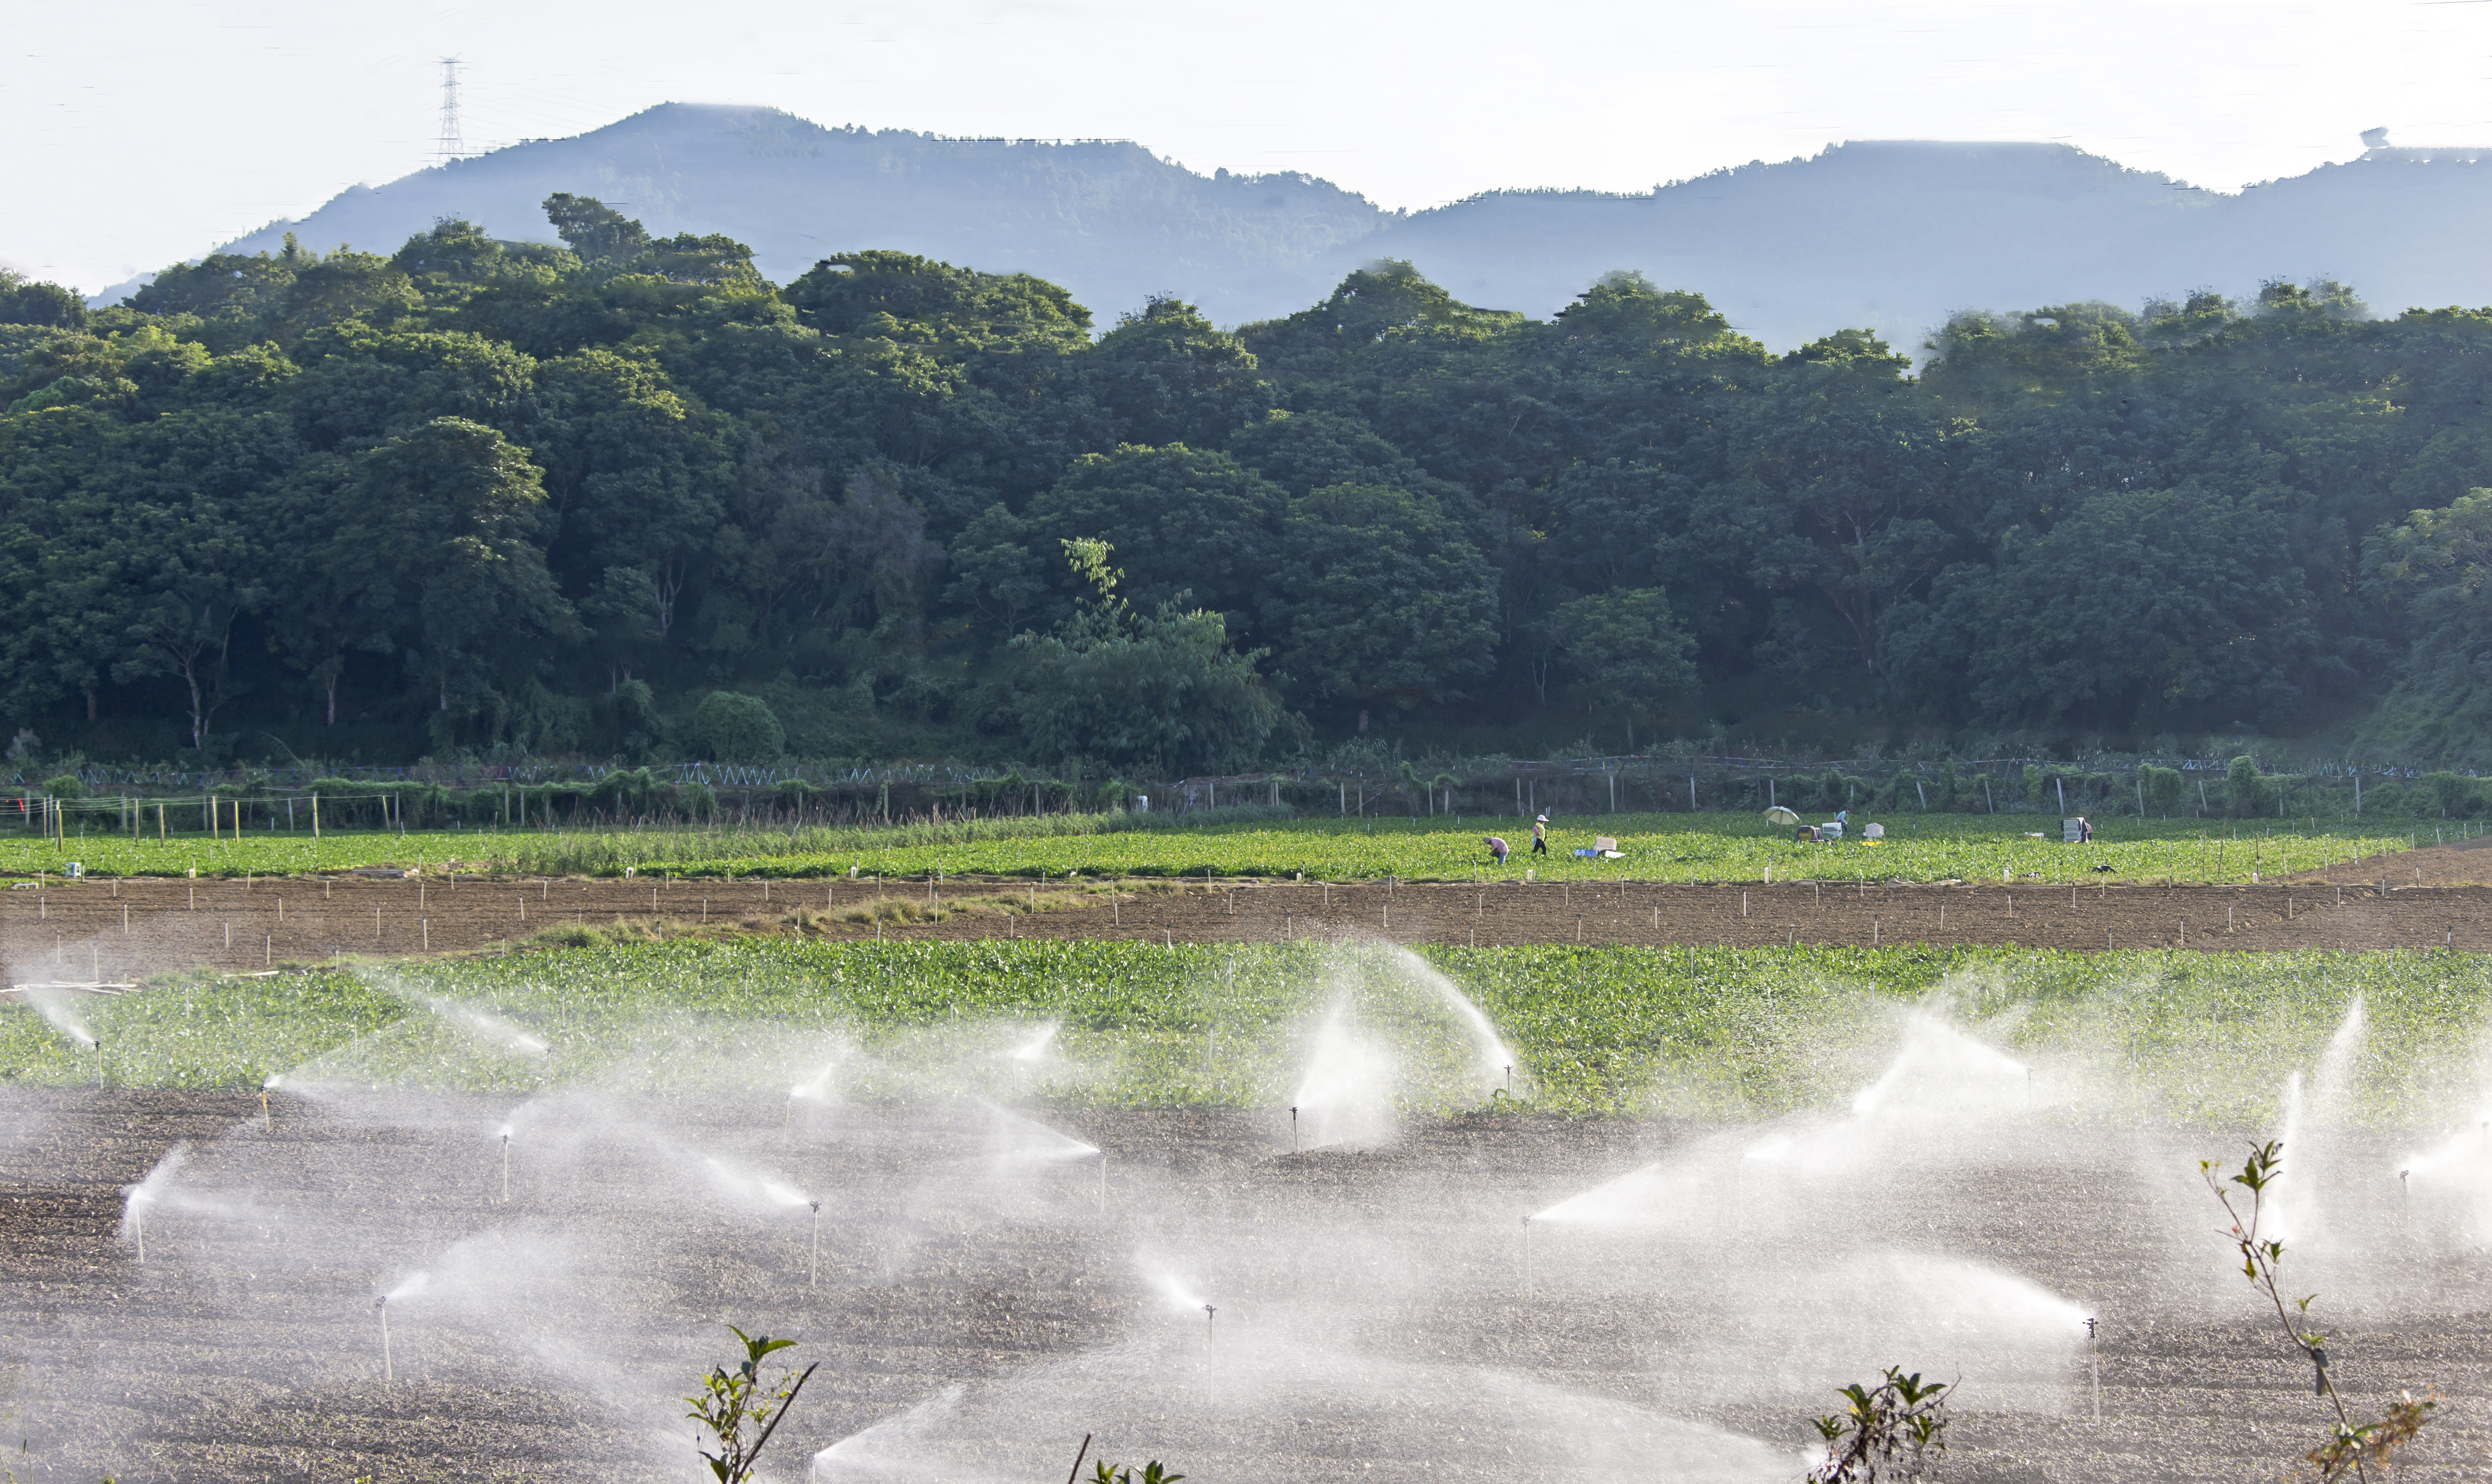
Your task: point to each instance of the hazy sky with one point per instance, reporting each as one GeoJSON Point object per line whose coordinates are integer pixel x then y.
{"type": "Point", "coordinates": [142, 131]}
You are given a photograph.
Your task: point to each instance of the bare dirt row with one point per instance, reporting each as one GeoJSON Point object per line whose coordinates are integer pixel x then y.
{"type": "Point", "coordinates": [113, 931]}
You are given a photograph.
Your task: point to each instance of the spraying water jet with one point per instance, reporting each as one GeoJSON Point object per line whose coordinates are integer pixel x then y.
{"type": "Point", "coordinates": [380, 1305]}
{"type": "Point", "coordinates": [137, 1199]}
{"type": "Point", "coordinates": [1346, 1094]}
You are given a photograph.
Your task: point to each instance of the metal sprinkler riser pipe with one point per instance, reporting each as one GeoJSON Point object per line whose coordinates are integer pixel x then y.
{"type": "Point", "coordinates": [2093, 1366]}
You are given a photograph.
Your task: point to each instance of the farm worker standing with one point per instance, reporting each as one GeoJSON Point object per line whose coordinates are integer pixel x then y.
{"type": "Point", "coordinates": [1540, 836]}
{"type": "Point", "coordinates": [1498, 847]}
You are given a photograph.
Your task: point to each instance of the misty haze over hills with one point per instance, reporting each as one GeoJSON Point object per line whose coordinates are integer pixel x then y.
{"type": "Point", "coordinates": [1887, 235]}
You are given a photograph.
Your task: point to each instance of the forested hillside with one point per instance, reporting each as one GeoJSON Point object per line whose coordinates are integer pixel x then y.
{"type": "Point", "coordinates": [626, 497]}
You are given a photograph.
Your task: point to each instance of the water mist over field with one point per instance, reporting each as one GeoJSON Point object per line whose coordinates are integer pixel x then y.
{"type": "Point", "coordinates": [1334, 1272]}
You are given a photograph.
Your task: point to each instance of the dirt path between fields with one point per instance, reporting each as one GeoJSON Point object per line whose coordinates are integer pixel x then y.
{"type": "Point", "coordinates": [117, 931]}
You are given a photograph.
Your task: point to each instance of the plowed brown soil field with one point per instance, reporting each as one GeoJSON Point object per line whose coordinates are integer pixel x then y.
{"type": "Point", "coordinates": [105, 931]}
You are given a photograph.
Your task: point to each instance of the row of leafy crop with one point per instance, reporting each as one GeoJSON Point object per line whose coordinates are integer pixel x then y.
{"type": "Point", "coordinates": [1708, 1033]}
{"type": "Point", "coordinates": [1652, 847]}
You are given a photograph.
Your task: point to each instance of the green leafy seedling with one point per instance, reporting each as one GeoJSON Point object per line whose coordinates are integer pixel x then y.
{"type": "Point", "coordinates": [740, 1411]}
{"type": "Point", "coordinates": [1894, 1430]}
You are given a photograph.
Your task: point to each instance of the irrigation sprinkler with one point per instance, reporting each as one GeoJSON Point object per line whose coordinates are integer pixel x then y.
{"type": "Point", "coordinates": [1207, 1311]}
{"type": "Point", "coordinates": [1293, 1130]}
{"type": "Point", "coordinates": [1509, 1083]}
{"type": "Point", "coordinates": [506, 1166]}
{"type": "Point", "coordinates": [1103, 1182]}
{"type": "Point", "coordinates": [2405, 1197]}
{"type": "Point", "coordinates": [265, 1126]}
{"type": "Point", "coordinates": [1527, 1255]}
{"type": "Point", "coordinates": [814, 1263]}
{"type": "Point", "coordinates": [389, 1372]}
{"type": "Point", "coordinates": [2094, 1365]}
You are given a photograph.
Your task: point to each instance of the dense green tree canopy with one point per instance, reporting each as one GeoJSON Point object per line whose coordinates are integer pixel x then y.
{"type": "Point", "coordinates": [1163, 690]}
{"type": "Point", "coordinates": [465, 493]}
{"type": "Point", "coordinates": [1376, 594]}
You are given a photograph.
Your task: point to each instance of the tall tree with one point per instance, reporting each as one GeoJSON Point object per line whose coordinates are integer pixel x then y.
{"type": "Point", "coordinates": [1377, 595]}
{"type": "Point", "coordinates": [437, 545]}
{"type": "Point", "coordinates": [1165, 688]}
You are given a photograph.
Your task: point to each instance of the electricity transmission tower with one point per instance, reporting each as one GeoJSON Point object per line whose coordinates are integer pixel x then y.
{"type": "Point", "coordinates": [452, 146]}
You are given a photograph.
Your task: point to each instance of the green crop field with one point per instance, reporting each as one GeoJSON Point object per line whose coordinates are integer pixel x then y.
{"type": "Point", "coordinates": [1655, 848]}
{"type": "Point", "coordinates": [1716, 1033]}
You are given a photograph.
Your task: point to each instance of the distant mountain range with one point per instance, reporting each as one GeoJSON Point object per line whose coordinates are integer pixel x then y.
{"type": "Point", "coordinates": [1887, 235]}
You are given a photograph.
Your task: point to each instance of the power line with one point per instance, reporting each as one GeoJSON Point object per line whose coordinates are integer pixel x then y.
{"type": "Point", "coordinates": [451, 146]}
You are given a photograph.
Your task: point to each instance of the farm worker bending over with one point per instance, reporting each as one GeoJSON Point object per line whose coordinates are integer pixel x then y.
{"type": "Point", "coordinates": [1498, 849]}
{"type": "Point", "coordinates": [1540, 836]}
{"type": "Point", "coordinates": [2084, 830]}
